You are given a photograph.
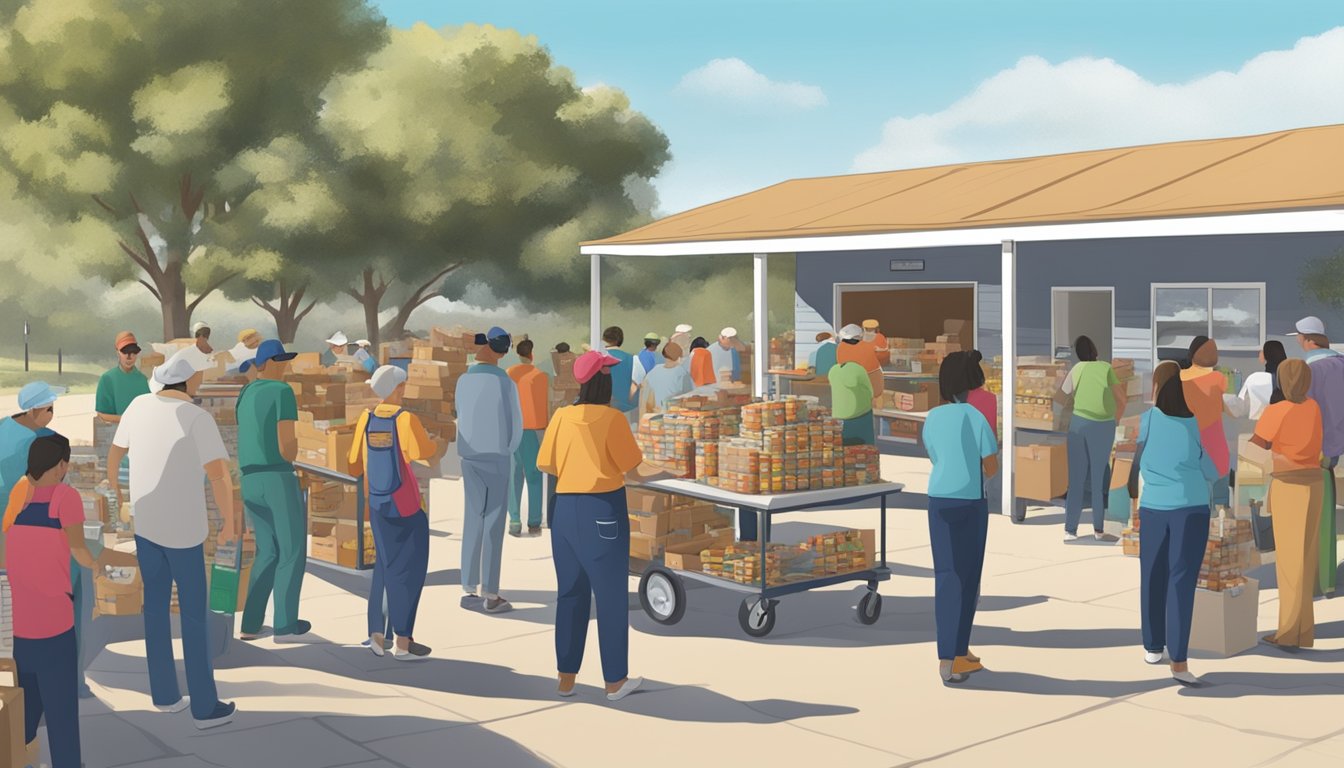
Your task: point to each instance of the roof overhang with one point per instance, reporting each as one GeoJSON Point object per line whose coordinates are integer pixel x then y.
{"type": "Point", "coordinates": [1280, 222]}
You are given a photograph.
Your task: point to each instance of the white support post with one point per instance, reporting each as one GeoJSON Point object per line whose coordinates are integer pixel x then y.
{"type": "Point", "coordinates": [1008, 402]}
{"type": "Point", "coordinates": [761, 330]}
{"type": "Point", "coordinates": [595, 303]}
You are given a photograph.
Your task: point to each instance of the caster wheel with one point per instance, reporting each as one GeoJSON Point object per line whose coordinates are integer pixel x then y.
{"type": "Point", "coordinates": [756, 616]}
{"type": "Point", "coordinates": [662, 595]}
{"type": "Point", "coordinates": [869, 608]}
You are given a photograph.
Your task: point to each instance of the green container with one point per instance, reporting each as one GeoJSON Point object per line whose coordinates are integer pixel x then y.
{"type": "Point", "coordinates": [224, 575]}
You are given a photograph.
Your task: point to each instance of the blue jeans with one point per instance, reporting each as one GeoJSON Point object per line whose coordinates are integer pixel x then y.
{"type": "Point", "coordinates": [399, 571]}
{"type": "Point", "coordinates": [1171, 550]}
{"type": "Point", "coordinates": [1090, 444]}
{"type": "Point", "coordinates": [957, 532]}
{"type": "Point", "coordinates": [160, 567]}
{"type": "Point", "coordinates": [485, 484]}
{"type": "Point", "coordinates": [47, 674]}
{"type": "Point", "coordinates": [590, 544]}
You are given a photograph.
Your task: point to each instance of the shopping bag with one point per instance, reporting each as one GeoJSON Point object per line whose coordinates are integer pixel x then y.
{"type": "Point", "coordinates": [224, 576]}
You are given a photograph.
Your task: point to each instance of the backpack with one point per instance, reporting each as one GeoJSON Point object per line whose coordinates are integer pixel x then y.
{"type": "Point", "coordinates": [390, 495]}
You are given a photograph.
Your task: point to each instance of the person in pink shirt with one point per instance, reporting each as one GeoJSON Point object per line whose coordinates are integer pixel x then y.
{"type": "Point", "coordinates": [987, 404]}
{"type": "Point", "coordinates": [44, 523]}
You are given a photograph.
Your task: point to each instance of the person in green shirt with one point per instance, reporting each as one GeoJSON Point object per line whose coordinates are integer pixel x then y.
{"type": "Point", "coordinates": [267, 446]}
{"type": "Point", "coordinates": [1098, 403]}
{"type": "Point", "coordinates": [852, 402]}
{"type": "Point", "coordinates": [122, 384]}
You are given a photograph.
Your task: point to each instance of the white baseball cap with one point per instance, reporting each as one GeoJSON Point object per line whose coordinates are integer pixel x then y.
{"type": "Point", "coordinates": [184, 364]}
{"type": "Point", "coordinates": [338, 339]}
{"type": "Point", "coordinates": [195, 329]}
{"type": "Point", "coordinates": [386, 379]}
{"type": "Point", "coordinates": [729, 333]}
{"type": "Point", "coordinates": [683, 328]}
{"type": "Point", "coordinates": [851, 331]}
{"type": "Point", "coordinates": [1309, 326]}
{"type": "Point", "coordinates": [363, 343]}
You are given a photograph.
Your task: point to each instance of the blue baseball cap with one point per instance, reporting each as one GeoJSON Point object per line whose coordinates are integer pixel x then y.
{"type": "Point", "coordinates": [37, 394]}
{"type": "Point", "coordinates": [268, 350]}
{"type": "Point", "coordinates": [491, 335]}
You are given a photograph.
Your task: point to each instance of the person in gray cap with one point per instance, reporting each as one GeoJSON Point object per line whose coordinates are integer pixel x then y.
{"type": "Point", "coordinates": [1327, 390]}
{"type": "Point", "coordinates": [489, 431]}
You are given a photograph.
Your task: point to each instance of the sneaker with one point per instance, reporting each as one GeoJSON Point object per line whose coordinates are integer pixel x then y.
{"type": "Point", "coordinates": [1108, 538]}
{"type": "Point", "coordinates": [295, 634]}
{"type": "Point", "coordinates": [567, 694]}
{"type": "Point", "coordinates": [1186, 678]}
{"type": "Point", "coordinates": [515, 529]}
{"type": "Point", "coordinates": [1070, 536]}
{"type": "Point", "coordinates": [378, 644]}
{"type": "Point", "coordinates": [181, 704]}
{"type": "Point", "coordinates": [419, 649]}
{"type": "Point", "coordinates": [534, 530]}
{"type": "Point", "coordinates": [948, 676]}
{"type": "Point", "coordinates": [407, 655]}
{"type": "Point", "coordinates": [964, 666]}
{"type": "Point", "coordinates": [1154, 658]}
{"type": "Point", "coordinates": [631, 685]}
{"type": "Point", "coordinates": [472, 601]}
{"type": "Point", "coordinates": [497, 605]}
{"type": "Point", "coordinates": [223, 715]}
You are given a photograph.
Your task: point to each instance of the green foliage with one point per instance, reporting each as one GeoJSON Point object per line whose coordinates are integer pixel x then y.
{"type": "Point", "coordinates": [1322, 280]}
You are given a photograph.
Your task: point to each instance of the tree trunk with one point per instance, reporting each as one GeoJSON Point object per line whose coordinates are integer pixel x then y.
{"type": "Point", "coordinates": [371, 298]}
{"type": "Point", "coordinates": [286, 312]}
{"type": "Point", "coordinates": [173, 300]}
{"type": "Point", "coordinates": [396, 327]}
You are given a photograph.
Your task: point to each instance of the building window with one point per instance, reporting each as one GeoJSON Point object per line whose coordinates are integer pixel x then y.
{"type": "Point", "coordinates": [1232, 314]}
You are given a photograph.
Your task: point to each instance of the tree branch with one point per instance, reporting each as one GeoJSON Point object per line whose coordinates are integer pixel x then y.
{"type": "Point", "coordinates": [209, 289]}
{"type": "Point", "coordinates": [105, 206]}
{"type": "Point", "coordinates": [151, 262]}
{"type": "Point", "coordinates": [355, 294]}
{"type": "Point", "coordinates": [151, 288]}
{"type": "Point", "coordinates": [420, 296]}
{"type": "Point", "coordinates": [299, 317]}
{"type": "Point", "coordinates": [266, 305]}
{"type": "Point", "coordinates": [137, 258]}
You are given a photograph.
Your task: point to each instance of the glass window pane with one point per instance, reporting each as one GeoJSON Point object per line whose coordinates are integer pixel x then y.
{"type": "Point", "coordinates": [1236, 317]}
{"type": "Point", "coordinates": [1179, 315]}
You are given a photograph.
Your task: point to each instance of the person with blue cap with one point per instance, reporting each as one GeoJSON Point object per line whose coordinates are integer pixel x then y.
{"type": "Point", "coordinates": [489, 431]}
{"type": "Point", "coordinates": [267, 447]}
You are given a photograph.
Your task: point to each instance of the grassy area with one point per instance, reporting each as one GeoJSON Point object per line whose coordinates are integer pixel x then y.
{"type": "Point", "coordinates": [80, 378]}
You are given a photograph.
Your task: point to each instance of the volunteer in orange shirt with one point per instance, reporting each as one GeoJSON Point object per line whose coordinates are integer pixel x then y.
{"type": "Point", "coordinates": [1292, 430]}
{"type": "Point", "coordinates": [873, 336]}
{"type": "Point", "coordinates": [589, 449]}
{"type": "Point", "coordinates": [853, 349]}
{"type": "Point", "coordinates": [702, 363]}
{"type": "Point", "coordinates": [532, 396]}
{"type": "Point", "coordinates": [1204, 389]}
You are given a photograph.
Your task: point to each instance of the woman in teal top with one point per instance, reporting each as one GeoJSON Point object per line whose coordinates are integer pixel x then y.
{"type": "Point", "coordinates": [1173, 520]}
{"type": "Point", "coordinates": [961, 445]}
{"type": "Point", "coordinates": [1098, 403]}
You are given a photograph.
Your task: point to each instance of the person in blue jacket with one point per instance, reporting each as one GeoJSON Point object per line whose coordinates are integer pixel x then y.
{"type": "Point", "coordinates": [1173, 510]}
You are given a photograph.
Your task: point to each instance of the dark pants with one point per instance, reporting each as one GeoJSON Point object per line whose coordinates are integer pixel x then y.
{"type": "Point", "coordinates": [48, 669]}
{"type": "Point", "coordinates": [957, 531]}
{"type": "Point", "coordinates": [160, 567]}
{"type": "Point", "coordinates": [590, 543]}
{"type": "Point", "coordinates": [402, 545]}
{"type": "Point", "coordinates": [1090, 444]}
{"type": "Point", "coordinates": [1171, 550]}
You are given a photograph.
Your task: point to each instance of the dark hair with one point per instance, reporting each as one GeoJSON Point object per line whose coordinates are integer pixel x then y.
{"type": "Point", "coordinates": [1171, 399]}
{"type": "Point", "coordinates": [525, 348]}
{"type": "Point", "coordinates": [651, 343]}
{"type": "Point", "coordinates": [699, 343]}
{"type": "Point", "coordinates": [46, 452]}
{"type": "Point", "coordinates": [562, 347]}
{"type": "Point", "coordinates": [953, 381]}
{"type": "Point", "coordinates": [499, 344]}
{"type": "Point", "coordinates": [1195, 345]}
{"type": "Point", "coordinates": [975, 375]}
{"type": "Point", "coordinates": [595, 391]}
{"type": "Point", "coordinates": [614, 335]}
{"type": "Point", "coordinates": [1085, 349]}
{"type": "Point", "coordinates": [1274, 354]}
{"type": "Point", "coordinates": [851, 341]}
{"type": "Point", "coordinates": [178, 387]}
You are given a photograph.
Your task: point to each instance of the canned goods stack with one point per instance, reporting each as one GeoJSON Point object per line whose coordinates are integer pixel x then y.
{"type": "Point", "coordinates": [862, 465]}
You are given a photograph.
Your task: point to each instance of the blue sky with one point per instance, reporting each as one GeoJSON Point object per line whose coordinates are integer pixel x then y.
{"type": "Point", "coordinates": [752, 92]}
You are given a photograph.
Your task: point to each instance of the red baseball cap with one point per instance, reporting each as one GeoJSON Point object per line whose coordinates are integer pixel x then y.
{"type": "Point", "coordinates": [589, 363]}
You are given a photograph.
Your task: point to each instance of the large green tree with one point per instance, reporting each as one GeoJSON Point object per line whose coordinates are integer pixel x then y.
{"type": "Point", "coordinates": [128, 109]}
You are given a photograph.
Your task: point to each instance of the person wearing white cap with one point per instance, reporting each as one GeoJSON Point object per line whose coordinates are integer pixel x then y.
{"type": "Point", "coordinates": [387, 440]}
{"type": "Point", "coordinates": [201, 333]}
{"type": "Point", "coordinates": [726, 355]}
{"type": "Point", "coordinates": [363, 357]}
{"type": "Point", "coordinates": [174, 446]}
{"type": "Point", "coordinates": [681, 336]}
{"type": "Point", "coordinates": [336, 347]}
{"type": "Point", "coordinates": [852, 350]}
{"type": "Point", "coordinates": [1327, 390]}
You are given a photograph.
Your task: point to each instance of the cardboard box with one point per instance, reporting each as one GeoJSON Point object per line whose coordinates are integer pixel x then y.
{"type": "Point", "coordinates": [650, 525]}
{"type": "Point", "coordinates": [330, 538]}
{"type": "Point", "coordinates": [439, 354]}
{"type": "Point", "coordinates": [685, 557]}
{"type": "Point", "coordinates": [1042, 471]}
{"type": "Point", "coordinates": [646, 547]}
{"type": "Point", "coordinates": [421, 392]}
{"type": "Point", "coordinates": [1225, 623]}
{"type": "Point", "coordinates": [647, 502]}
{"type": "Point", "coordinates": [13, 742]}
{"type": "Point", "coordinates": [696, 519]}
{"type": "Point", "coordinates": [1120, 473]}
{"type": "Point", "coordinates": [428, 370]}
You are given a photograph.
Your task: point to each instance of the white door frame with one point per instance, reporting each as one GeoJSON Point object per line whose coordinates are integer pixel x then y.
{"type": "Point", "coordinates": [839, 288]}
{"type": "Point", "coordinates": [1080, 289]}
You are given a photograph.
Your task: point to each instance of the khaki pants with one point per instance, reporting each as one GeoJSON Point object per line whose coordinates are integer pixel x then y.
{"type": "Point", "coordinates": [1295, 509]}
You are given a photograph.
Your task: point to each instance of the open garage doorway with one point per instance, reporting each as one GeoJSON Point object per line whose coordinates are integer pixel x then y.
{"type": "Point", "coordinates": [1083, 312]}
{"type": "Point", "coordinates": [908, 310]}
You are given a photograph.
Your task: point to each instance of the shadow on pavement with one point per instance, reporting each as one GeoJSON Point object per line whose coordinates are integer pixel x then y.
{"type": "Point", "coordinates": [1038, 518]}
{"type": "Point", "coordinates": [1236, 685]}
{"type": "Point", "coordinates": [1038, 685]}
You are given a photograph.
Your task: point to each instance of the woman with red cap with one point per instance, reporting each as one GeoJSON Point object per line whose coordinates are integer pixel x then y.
{"type": "Point", "coordinates": [589, 449]}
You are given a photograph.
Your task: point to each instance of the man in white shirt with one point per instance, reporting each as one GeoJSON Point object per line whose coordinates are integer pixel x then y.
{"type": "Point", "coordinates": [174, 445]}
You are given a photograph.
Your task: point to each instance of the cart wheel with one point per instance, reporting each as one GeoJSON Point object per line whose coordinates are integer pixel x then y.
{"type": "Point", "coordinates": [757, 616]}
{"type": "Point", "coordinates": [870, 607]}
{"type": "Point", "coordinates": [662, 595]}
{"type": "Point", "coordinates": [1019, 510]}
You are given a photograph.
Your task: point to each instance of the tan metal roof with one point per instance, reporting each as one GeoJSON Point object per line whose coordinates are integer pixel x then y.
{"type": "Point", "coordinates": [1289, 170]}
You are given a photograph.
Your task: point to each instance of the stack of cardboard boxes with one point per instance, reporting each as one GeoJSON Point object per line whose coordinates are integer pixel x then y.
{"type": "Point", "coordinates": [431, 388]}
{"type": "Point", "coordinates": [782, 351]}
{"type": "Point", "coordinates": [1038, 380]}
{"type": "Point", "coordinates": [661, 523]}
{"type": "Point", "coordinates": [13, 735]}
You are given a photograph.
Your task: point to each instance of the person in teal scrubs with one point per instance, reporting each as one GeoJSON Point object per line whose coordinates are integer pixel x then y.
{"type": "Point", "coordinates": [267, 447]}
{"type": "Point", "coordinates": [823, 359]}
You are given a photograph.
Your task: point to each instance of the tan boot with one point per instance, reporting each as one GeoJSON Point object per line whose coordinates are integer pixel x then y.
{"type": "Point", "coordinates": [964, 666]}
{"type": "Point", "coordinates": [970, 656]}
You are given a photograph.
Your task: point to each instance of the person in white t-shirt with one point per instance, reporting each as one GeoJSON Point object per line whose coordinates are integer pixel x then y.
{"type": "Point", "coordinates": [174, 446]}
{"type": "Point", "coordinates": [1257, 393]}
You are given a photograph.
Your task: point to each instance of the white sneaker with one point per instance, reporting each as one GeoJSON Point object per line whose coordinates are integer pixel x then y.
{"type": "Point", "coordinates": [632, 684]}
{"type": "Point", "coordinates": [376, 644]}
{"type": "Point", "coordinates": [400, 655]}
{"type": "Point", "coordinates": [1154, 658]}
{"type": "Point", "coordinates": [1186, 678]}
{"type": "Point", "coordinates": [181, 705]}
{"type": "Point", "coordinates": [1070, 536]}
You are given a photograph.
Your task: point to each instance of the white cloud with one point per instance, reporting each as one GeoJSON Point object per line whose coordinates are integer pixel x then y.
{"type": "Point", "coordinates": [1040, 108]}
{"type": "Point", "coordinates": [734, 81]}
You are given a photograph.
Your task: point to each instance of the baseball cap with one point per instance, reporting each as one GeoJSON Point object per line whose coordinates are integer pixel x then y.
{"type": "Point", "coordinates": [127, 339]}
{"type": "Point", "coordinates": [386, 379]}
{"type": "Point", "coordinates": [869, 323]}
{"type": "Point", "coordinates": [851, 331]}
{"type": "Point", "coordinates": [652, 337]}
{"type": "Point", "coordinates": [683, 328]}
{"type": "Point", "coordinates": [729, 333]}
{"type": "Point", "coordinates": [268, 350]}
{"type": "Point", "coordinates": [338, 339]}
{"type": "Point", "coordinates": [589, 363]}
{"type": "Point", "coordinates": [363, 343]}
{"type": "Point", "coordinates": [496, 338]}
{"type": "Point", "coordinates": [1309, 326]}
{"type": "Point", "coordinates": [36, 394]}
{"type": "Point", "coordinates": [246, 334]}
{"type": "Point", "coordinates": [184, 364]}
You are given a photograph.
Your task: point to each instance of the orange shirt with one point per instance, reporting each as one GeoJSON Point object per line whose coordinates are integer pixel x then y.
{"type": "Point", "coordinates": [532, 384]}
{"type": "Point", "coordinates": [1204, 390]}
{"type": "Point", "coordinates": [1294, 433]}
{"type": "Point", "coordinates": [862, 353]}
{"type": "Point", "coordinates": [702, 368]}
{"type": "Point", "coordinates": [879, 343]}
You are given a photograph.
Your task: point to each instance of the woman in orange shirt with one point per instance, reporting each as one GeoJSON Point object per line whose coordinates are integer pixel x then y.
{"type": "Point", "coordinates": [702, 363]}
{"type": "Point", "coordinates": [1292, 430]}
{"type": "Point", "coordinates": [1204, 389]}
{"type": "Point", "coordinates": [588, 448]}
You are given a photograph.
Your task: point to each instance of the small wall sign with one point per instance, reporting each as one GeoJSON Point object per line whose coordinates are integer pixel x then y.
{"type": "Point", "coordinates": [907, 265]}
